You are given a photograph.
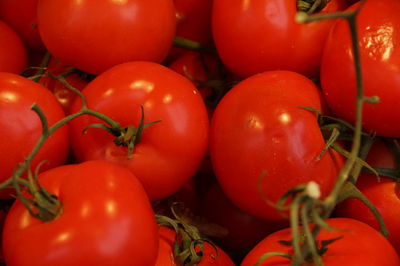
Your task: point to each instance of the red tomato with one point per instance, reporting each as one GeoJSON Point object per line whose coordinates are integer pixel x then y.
{"type": "Point", "coordinates": [384, 193]}
{"type": "Point", "coordinates": [106, 219]}
{"type": "Point", "coordinates": [95, 35]}
{"type": "Point", "coordinates": [261, 35]}
{"type": "Point", "coordinates": [171, 151]}
{"type": "Point", "coordinates": [13, 56]}
{"type": "Point", "coordinates": [21, 16]}
{"type": "Point", "coordinates": [21, 127]}
{"type": "Point", "coordinates": [360, 245]}
{"type": "Point", "coordinates": [258, 128]}
{"type": "Point", "coordinates": [166, 254]}
{"type": "Point", "coordinates": [378, 26]}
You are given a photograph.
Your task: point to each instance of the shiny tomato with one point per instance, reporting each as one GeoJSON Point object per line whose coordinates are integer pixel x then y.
{"type": "Point", "coordinates": [106, 219]}
{"type": "Point", "coordinates": [13, 57]}
{"type": "Point", "coordinates": [360, 245]}
{"type": "Point", "coordinates": [21, 127]}
{"type": "Point", "coordinates": [21, 16]}
{"type": "Point", "coordinates": [171, 151]}
{"type": "Point", "coordinates": [262, 140]}
{"type": "Point", "coordinates": [378, 26]}
{"type": "Point", "coordinates": [95, 35]}
{"type": "Point", "coordinates": [383, 192]}
{"type": "Point", "coordinates": [261, 35]}
{"type": "Point", "coordinates": [166, 251]}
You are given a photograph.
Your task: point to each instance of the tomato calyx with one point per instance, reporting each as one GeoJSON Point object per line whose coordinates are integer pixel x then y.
{"type": "Point", "coordinates": [128, 136]}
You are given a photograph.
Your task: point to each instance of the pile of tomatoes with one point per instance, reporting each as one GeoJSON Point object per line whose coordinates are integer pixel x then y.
{"type": "Point", "coordinates": [203, 111]}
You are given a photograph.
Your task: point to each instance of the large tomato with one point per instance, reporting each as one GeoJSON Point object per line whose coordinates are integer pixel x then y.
{"type": "Point", "coordinates": [106, 219]}
{"type": "Point", "coordinates": [378, 26]}
{"type": "Point", "coordinates": [171, 151]}
{"type": "Point", "coordinates": [361, 245]}
{"type": "Point", "coordinates": [21, 16]}
{"type": "Point", "coordinates": [261, 35]}
{"type": "Point", "coordinates": [96, 35]}
{"type": "Point", "coordinates": [13, 56]}
{"type": "Point", "coordinates": [211, 255]}
{"type": "Point", "coordinates": [383, 192]}
{"type": "Point", "coordinates": [261, 137]}
{"type": "Point", "coordinates": [21, 127]}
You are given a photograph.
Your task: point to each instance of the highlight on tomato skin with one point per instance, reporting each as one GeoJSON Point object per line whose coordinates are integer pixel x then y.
{"type": "Point", "coordinates": [378, 27]}
{"type": "Point", "coordinates": [359, 244]}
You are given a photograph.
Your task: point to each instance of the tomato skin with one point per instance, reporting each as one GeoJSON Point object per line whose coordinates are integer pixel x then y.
{"type": "Point", "coordinates": [13, 57]}
{"type": "Point", "coordinates": [379, 35]}
{"type": "Point", "coordinates": [21, 127]}
{"type": "Point", "coordinates": [171, 151]}
{"type": "Point", "coordinates": [258, 128]}
{"type": "Point", "coordinates": [384, 193]}
{"type": "Point", "coordinates": [166, 255]}
{"type": "Point", "coordinates": [95, 35]}
{"type": "Point", "coordinates": [361, 245]}
{"type": "Point", "coordinates": [106, 219]}
{"type": "Point", "coordinates": [262, 35]}
{"type": "Point", "coordinates": [23, 21]}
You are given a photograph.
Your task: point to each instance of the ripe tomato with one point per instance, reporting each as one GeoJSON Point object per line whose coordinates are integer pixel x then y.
{"type": "Point", "coordinates": [360, 245]}
{"type": "Point", "coordinates": [95, 35]}
{"type": "Point", "coordinates": [384, 193]}
{"type": "Point", "coordinates": [21, 16]}
{"type": "Point", "coordinates": [166, 254]}
{"type": "Point", "coordinates": [258, 129]}
{"type": "Point", "coordinates": [13, 56]}
{"type": "Point", "coordinates": [106, 219]}
{"type": "Point", "coordinates": [261, 35]}
{"type": "Point", "coordinates": [171, 151]}
{"type": "Point", "coordinates": [21, 127]}
{"type": "Point", "coordinates": [378, 26]}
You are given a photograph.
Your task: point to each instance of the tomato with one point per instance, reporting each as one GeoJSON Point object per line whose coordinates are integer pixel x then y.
{"type": "Point", "coordinates": [378, 27]}
{"type": "Point", "coordinates": [244, 230]}
{"type": "Point", "coordinates": [171, 151]}
{"type": "Point", "coordinates": [21, 16]}
{"type": "Point", "coordinates": [384, 193]}
{"type": "Point", "coordinates": [360, 245]}
{"type": "Point", "coordinates": [21, 127]}
{"type": "Point", "coordinates": [166, 255]}
{"type": "Point", "coordinates": [106, 219]}
{"type": "Point", "coordinates": [261, 140]}
{"type": "Point", "coordinates": [95, 35]}
{"type": "Point", "coordinates": [13, 56]}
{"type": "Point", "coordinates": [261, 35]}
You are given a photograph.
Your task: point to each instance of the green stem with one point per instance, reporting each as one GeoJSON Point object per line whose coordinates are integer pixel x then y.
{"type": "Point", "coordinates": [191, 45]}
